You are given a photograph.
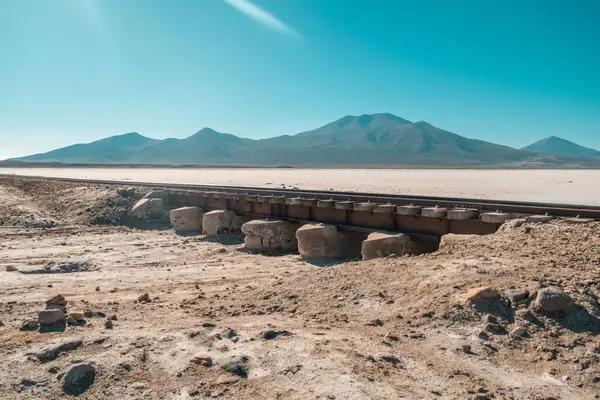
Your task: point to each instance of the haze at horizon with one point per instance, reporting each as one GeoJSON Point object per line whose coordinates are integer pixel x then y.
{"type": "Point", "coordinates": [79, 70]}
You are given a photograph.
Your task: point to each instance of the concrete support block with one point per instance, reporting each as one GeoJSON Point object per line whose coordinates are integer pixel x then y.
{"type": "Point", "coordinates": [294, 201]}
{"type": "Point", "coordinates": [326, 203]}
{"type": "Point", "coordinates": [409, 210]}
{"type": "Point", "coordinates": [495, 217]}
{"type": "Point", "coordinates": [148, 209]}
{"type": "Point", "coordinates": [540, 219]}
{"type": "Point", "coordinates": [277, 199]}
{"type": "Point", "coordinates": [270, 235]}
{"type": "Point", "coordinates": [434, 212]}
{"type": "Point", "coordinates": [309, 202]}
{"type": "Point", "coordinates": [462, 213]}
{"type": "Point", "coordinates": [319, 241]}
{"type": "Point", "coordinates": [187, 219]}
{"type": "Point", "coordinates": [363, 206]}
{"type": "Point", "coordinates": [344, 205]}
{"type": "Point", "coordinates": [385, 208]}
{"type": "Point", "coordinates": [218, 222]}
{"type": "Point", "coordinates": [384, 244]}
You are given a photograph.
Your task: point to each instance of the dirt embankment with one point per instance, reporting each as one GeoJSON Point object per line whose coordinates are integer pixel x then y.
{"type": "Point", "coordinates": [222, 323]}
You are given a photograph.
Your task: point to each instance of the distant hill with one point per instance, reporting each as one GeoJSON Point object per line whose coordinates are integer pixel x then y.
{"type": "Point", "coordinates": [366, 140]}
{"type": "Point", "coordinates": [561, 147]}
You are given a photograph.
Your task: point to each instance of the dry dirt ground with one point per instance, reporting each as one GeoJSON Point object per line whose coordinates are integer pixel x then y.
{"type": "Point", "coordinates": [424, 341]}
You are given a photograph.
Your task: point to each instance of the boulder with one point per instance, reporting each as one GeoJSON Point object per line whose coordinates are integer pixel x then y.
{"type": "Point", "coordinates": [158, 194]}
{"type": "Point", "coordinates": [148, 209]}
{"type": "Point", "coordinates": [270, 235]}
{"type": "Point", "coordinates": [218, 222]}
{"type": "Point", "coordinates": [384, 244]}
{"type": "Point", "coordinates": [77, 315]}
{"type": "Point", "coordinates": [50, 317]}
{"type": "Point", "coordinates": [58, 299]}
{"type": "Point", "coordinates": [480, 293]}
{"type": "Point", "coordinates": [515, 295]}
{"type": "Point", "coordinates": [552, 300]}
{"type": "Point", "coordinates": [126, 192]}
{"type": "Point", "coordinates": [11, 268]}
{"type": "Point", "coordinates": [187, 219]}
{"type": "Point", "coordinates": [319, 241]}
{"type": "Point", "coordinates": [78, 379]}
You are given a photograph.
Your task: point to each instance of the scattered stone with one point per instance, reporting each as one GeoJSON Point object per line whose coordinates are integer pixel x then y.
{"type": "Point", "coordinates": [237, 365]}
{"type": "Point", "coordinates": [495, 329]}
{"type": "Point", "coordinates": [518, 332]}
{"type": "Point", "coordinates": [208, 325]}
{"type": "Point", "coordinates": [375, 322]}
{"type": "Point", "coordinates": [145, 298]}
{"type": "Point", "coordinates": [51, 353]}
{"type": "Point", "coordinates": [270, 334]}
{"type": "Point", "coordinates": [490, 319]}
{"type": "Point", "coordinates": [58, 299]}
{"type": "Point", "coordinates": [515, 295]}
{"type": "Point", "coordinates": [53, 369]}
{"type": "Point", "coordinates": [139, 385]}
{"type": "Point", "coordinates": [78, 379]}
{"type": "Point", "coordinates": [28, 382]}
{"type": "Point", "coordinates": [203, 360]}
{"type": "Point", "coordinates": [484, 292]}
{"type": "Point", "coordinates": [225, 379]}
{"type": "Point", "coordinates": [50, 317]}
{"type": "Point", "coordinates": [97, 288]}
{"type": "Point", "coordinates": [77, 315]}
{"type": "Point", "coordinates": [229, 333]}
{"type": "Point", "coordinates": [108, 324]}
{"type": "Point", "coordinates": [30, 325]}
{"type": "Point", "coordinates": [552, 300]}
{"type": "Point", "coordinates": [71, 320]}
{"type": "Point", "coordinates": [11, 268]}
{"type": "Point", "coordinates": [126, 192]}
{"type": "Point", "coordinates": [391, 359]}
{"type": "Point", "coordinates": [114, 317]}
{"type": "Point", "coordinates": [466, 348]}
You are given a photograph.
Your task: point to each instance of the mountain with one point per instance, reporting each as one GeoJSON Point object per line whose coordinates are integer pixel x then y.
{"type": "Point", "coordinates": [365, 140]}
{"type": "Point", "coordinates": [561, 147]}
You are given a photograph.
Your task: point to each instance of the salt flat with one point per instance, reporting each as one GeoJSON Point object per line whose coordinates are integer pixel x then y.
{"type": "Point", "coordinates": [556, 186]}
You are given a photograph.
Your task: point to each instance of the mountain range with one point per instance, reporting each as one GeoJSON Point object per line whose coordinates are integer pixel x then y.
{"type": "Point", "coordinates": [366, 140]}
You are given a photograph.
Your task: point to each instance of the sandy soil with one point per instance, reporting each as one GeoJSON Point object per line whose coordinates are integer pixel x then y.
{"type": "Point", "coordinates": [199, 287]}
{"type": "Point", "coordinates": [550, 186]}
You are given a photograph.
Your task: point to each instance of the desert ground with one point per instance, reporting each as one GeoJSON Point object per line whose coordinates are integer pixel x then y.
{"type": "Point", "coordinates": [218, 322]}
{"type": "Point", "coordinates": [550, 186]}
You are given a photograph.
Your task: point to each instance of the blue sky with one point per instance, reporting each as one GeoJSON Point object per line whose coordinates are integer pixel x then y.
{"type": "Point", "coordinates": [510, 71]}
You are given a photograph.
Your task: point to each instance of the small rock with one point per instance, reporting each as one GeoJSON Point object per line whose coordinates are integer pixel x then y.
{"type": "Point", "coordinates": [77, 315]}
{"type": "Point", "coordinates": [229, 333]}
{"type": "Point", "coordinates": [271, 334]}
{"type": "Point", "coordinates": [466, 348]}
{"type": "Point", "coordinates": [58, 299]}
{"type": "Point", "coordinates": [518, 332]}
{"type": "Point", "coordinates": [53, 369]}
{"type": "Point", "coordinates": [114, 317]}
{"type": "Point", "coordinates": [495, 329]}
{"type": "Point", "coordinates": [139, 385]}
{"type": "Point", "coordinates": [375, 322]}
{"type": "Point", "coordinates": [145, 298]}
{"type": "Point", "coordinates": [71, 320]}
{"type": "Point", "coordinates": [30, 325]}
{"type": "Point", "coordinates": [78, 379]}
{"type": "Point", "coordinates": [552, 300]}
{"type": "Point", "coordinates": [11, 268]}
{"type": "Point", "coordinates": [97, 288]}
{"type": "Point", "coordinates": [515, 295]}
{"type": "Point", "coordinates": [225, 379]}
{"type": "Point", "coordinates": [237, 365]}
{"type": "Point", "coordinates": [51, 353]}
{"type": "Point", "coordinates": [484, 292]}
{"type": "Point", "coordinates": [490, 319]}
{"type": "Point", "coordinates": [203, 360]}
{"type": "Point", "coordinates": [108, 324]}
{"type": "Point", "coordinates": [208, 325]}
{"type": "Point", "coordinates": [50, 317]}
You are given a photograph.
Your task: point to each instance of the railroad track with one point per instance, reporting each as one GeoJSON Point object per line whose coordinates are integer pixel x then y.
{"type": "Point", "coordinates": [481, 205]}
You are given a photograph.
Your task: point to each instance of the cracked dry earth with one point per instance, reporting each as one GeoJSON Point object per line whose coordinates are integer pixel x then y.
{"type": "Point", "coordinates": [222, 323]}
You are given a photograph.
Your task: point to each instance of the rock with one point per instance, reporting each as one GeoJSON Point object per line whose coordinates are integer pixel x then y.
{"type": "Point", "coordinates": [51, 353]}
{"type": "Point", "coordinates": [375, 322]}
{"type": "Point", "coordinates": [57, 307]}
{"type": "Point", "coordinates": [515, 295]}
{"type": "Point", "coordinates": [148, 210]}
{"type": "Point", "coordinates": [97, 288]}
{"type": "Point", "coordinates": [225, 379]}
{"type": "Point", "coordinates": [489, 319]}
{"type": "Point", "coordinates": [78, 379]}
{"type": "Point", "coordinates": [495, 329]}
{"type": "Point", "coordinates": [519, 332]}
{"type": "Point", "coordinates": [58, 299]}
{"type": "Point", "coordinates": [270, 235]}
{"type": "Point", "coordinates": [11, 268]}
{"type": "Point", "coordinates": [71, 320]}
{"type": "Point", "coordinates": [187, 219]}
{"type": "Point", "coordinates": [108, 324]}
{"type": "Point", "coordinates": [30, 325]}
{"type": "Point", "coordinates": [552, 300]}
{"type": "Point", "coordinates": [466, 348]}
{"type": "Point", "coordinates": [145, 298]}
{"type": "Point", "coordinates": [114, 317]}
{"type": "Point", "coordinates": [77, 315]}
{"type": "Point", "coordinates": [53, 369]}
{"type": "Point", "coordinates": [218, 222]}
{"type": "Point", "coordinates": [126, 192]}
{"type": "Point", "coordinates": [271, 334]}
{"type": "Point", "coordinates": [237, 365]}
{"type": "Point", "coordinates": [50, 317]}
{"type": "Point", "coordinates": [139, 385]}
{"type": "Point", "coordinates": [479, 293]}
{"type": "Point", "coordinates": [384, 244]}
{"type": "Point", "coordinates": [229, 333]}
{"type": "Point", "coordinates": [203, 360]}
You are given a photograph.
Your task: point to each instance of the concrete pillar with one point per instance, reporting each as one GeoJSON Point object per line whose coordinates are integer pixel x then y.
{"type": "Point", "coordinates": [187, 219]}
{"type": "Point", "coordinates": [270, 235]}
{"type": "Point", "coordinates": [384, 244]}
{"type": "Point", "coordinates": [409, 210]}
{"type": "Point", "coordinates": [434, 212]}
{"type": "Point", "coordinates": [319, 241]}
{"type": "Point", "coordinates": [495, 217]}
{"type": "Point", "coordinates": [218, 222]}
{"type": "Point", "coordinates": [462, 213]}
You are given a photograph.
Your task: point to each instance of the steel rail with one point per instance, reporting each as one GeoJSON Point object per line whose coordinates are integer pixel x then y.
{"type": "Point", "coordinates": [483, 205]}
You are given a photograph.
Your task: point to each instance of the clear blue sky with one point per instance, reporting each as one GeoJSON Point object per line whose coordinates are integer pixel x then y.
{"type": "Point", "coordinates": [511, 71]}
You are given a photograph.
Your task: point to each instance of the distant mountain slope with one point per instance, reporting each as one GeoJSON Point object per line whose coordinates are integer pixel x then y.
{"type": "Point", "coordinates": [561, 147]}
{"type": "Point", "coordinates": [366, 140]}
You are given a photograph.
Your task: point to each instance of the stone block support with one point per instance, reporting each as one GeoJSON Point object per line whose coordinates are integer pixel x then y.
{"type": "Point", "coordinates": [187, 219]}
{"type": "Point", "coordinates": [384, 244]}
{"type": "Point", "coordinates": [218, 222]}
{"type": "Point", "coordinates": [270, 235]}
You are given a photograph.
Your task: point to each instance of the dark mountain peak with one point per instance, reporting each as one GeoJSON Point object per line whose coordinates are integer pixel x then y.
{"type": "Point", "coordinates": [206, 131]}
{"type": "Point", "coordinates": [561, 147]}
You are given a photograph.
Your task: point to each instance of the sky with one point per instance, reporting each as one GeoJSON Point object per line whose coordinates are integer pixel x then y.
{"type": "Point", "coordinates": [511, 71]}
